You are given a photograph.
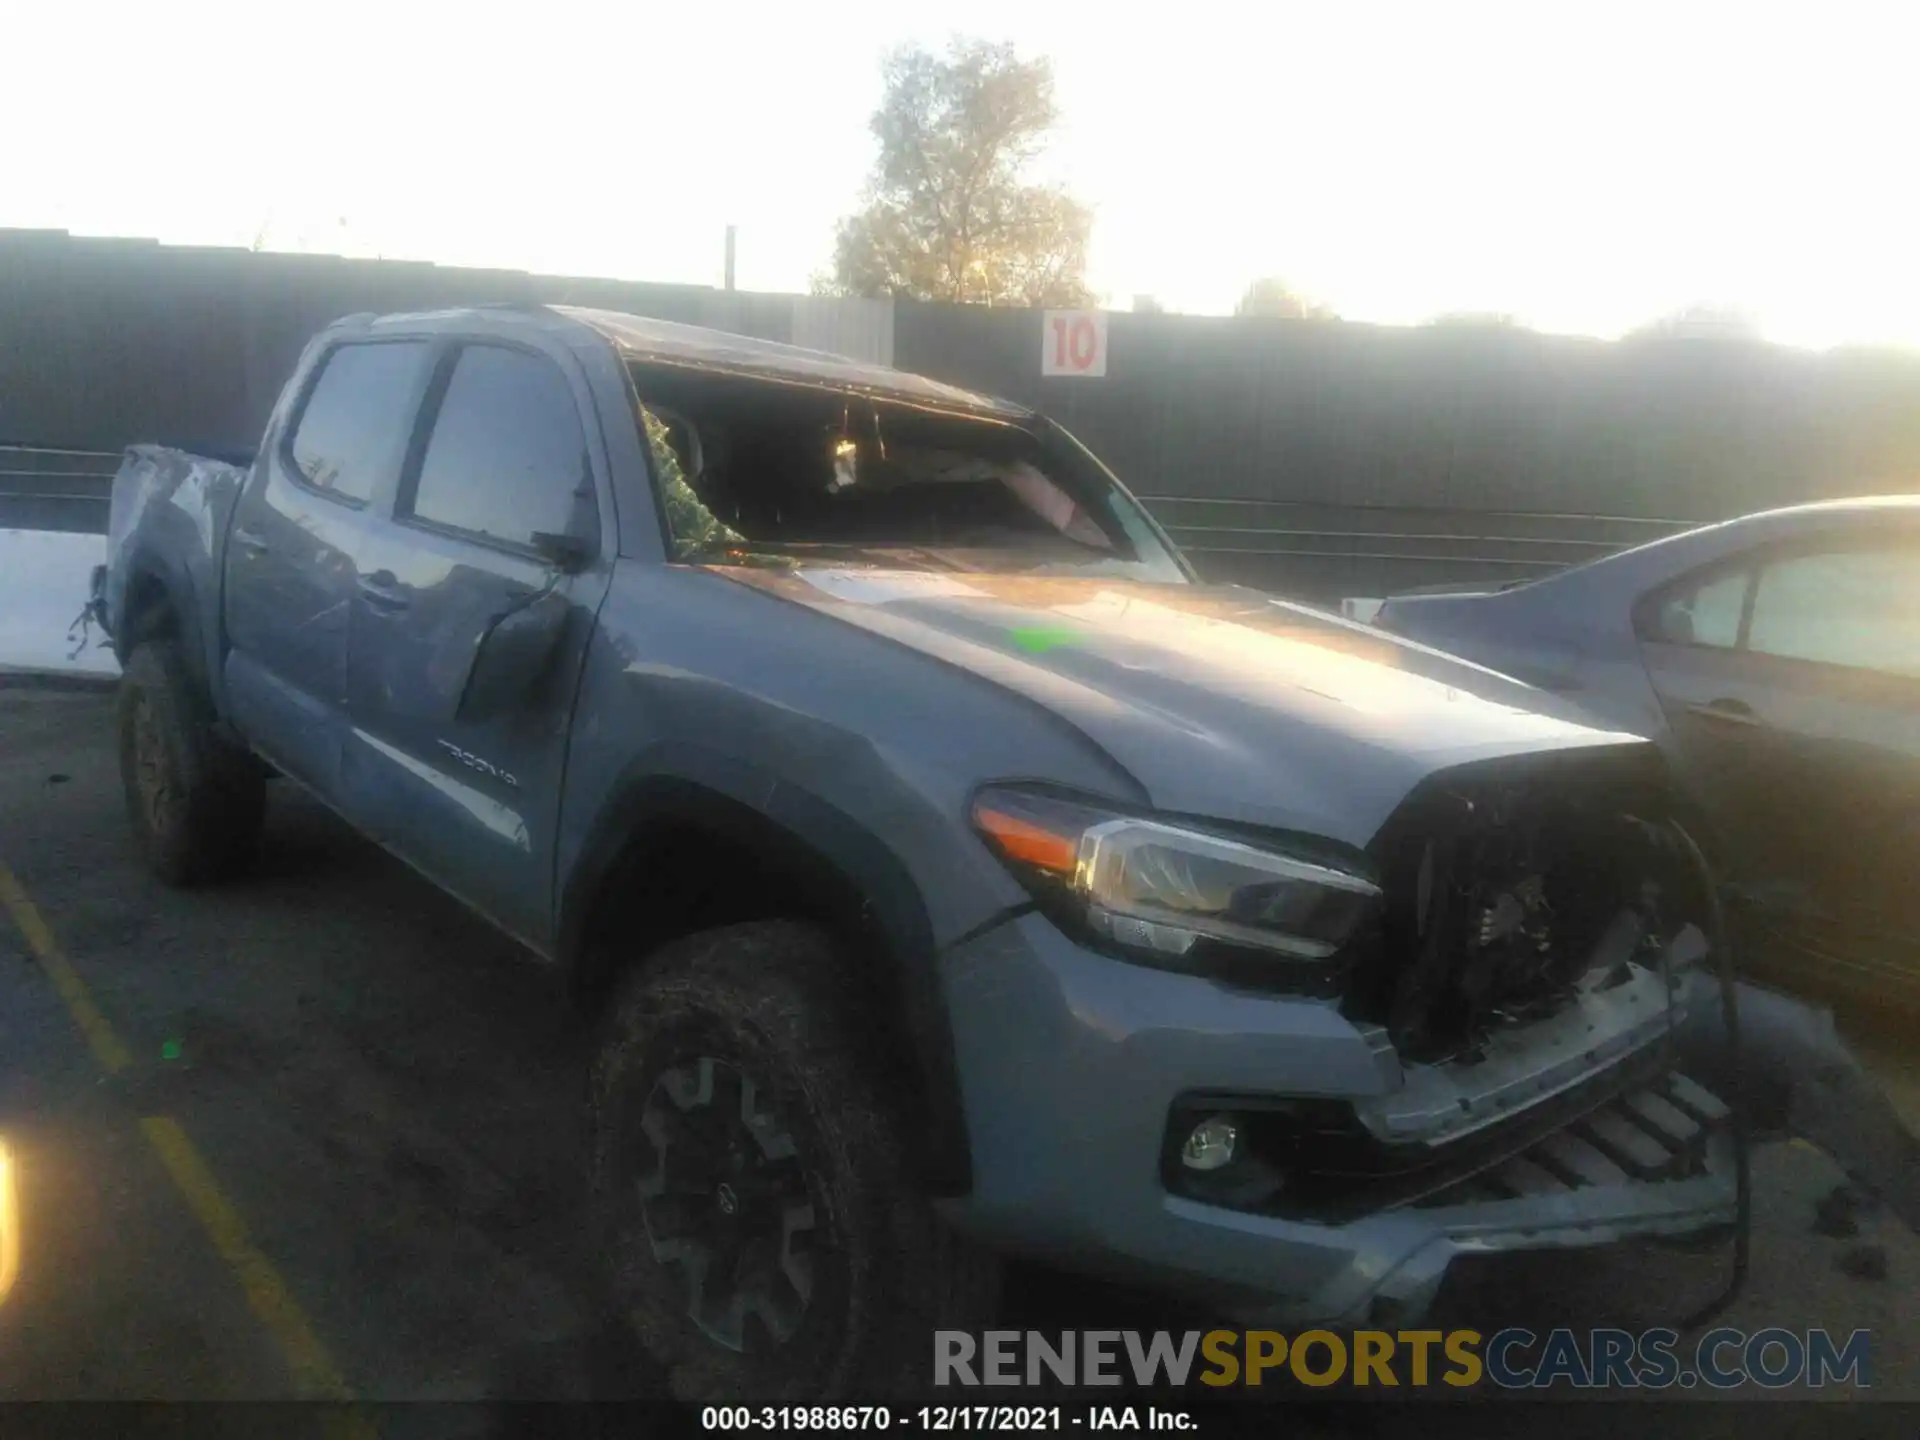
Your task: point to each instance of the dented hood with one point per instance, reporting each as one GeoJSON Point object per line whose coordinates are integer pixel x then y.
{"type": "Point", "coordinates": [1219, 700]}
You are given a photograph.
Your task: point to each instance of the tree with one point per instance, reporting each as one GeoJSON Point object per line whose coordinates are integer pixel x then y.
{"type": "Point", "coordinates": [1474, 320]}
{"type": "Point", "coordinates": [1272, 296]}
{"type": "Point", "coordinates": [1703, 321]}
{"type": "Point", "coordinates": [949, 214]}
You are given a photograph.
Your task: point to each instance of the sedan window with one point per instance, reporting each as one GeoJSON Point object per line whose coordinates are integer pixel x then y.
{"type": "Point", "coordinates": [1849, 607]}
{"type": "Point", "coordinates": [1706, 612]}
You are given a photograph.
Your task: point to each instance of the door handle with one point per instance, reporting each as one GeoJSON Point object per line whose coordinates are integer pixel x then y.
{"type": "Point", "coordinates": [382, 591]}
{"type": "Point", "coordinates": [251, 541]}
{"type": "Point", "coordinates": [1725, 712]}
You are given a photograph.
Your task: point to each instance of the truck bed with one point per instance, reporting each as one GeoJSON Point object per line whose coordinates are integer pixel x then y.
{"type": "Point", "coordinates": [171, 507]}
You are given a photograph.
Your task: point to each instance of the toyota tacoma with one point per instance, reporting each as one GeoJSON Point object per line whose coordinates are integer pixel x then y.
{"type": "Point", "coordinates": [955, 876]}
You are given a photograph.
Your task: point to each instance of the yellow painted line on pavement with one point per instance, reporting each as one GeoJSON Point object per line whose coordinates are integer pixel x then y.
{"type": "Point", "coordinates": [106, 1046]}
{"type": "Point", "coordinates": [266, 1292]}
{"type": "Point", "coordinates": [272, 1303]}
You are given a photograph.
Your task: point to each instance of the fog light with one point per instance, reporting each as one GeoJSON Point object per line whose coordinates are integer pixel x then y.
{"type": "Point", "coordinates": [1211, 1144]}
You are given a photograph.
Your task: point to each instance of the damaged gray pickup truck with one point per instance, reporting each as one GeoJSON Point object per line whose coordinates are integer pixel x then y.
{"type": "Point", "coordinates": [955, 875]}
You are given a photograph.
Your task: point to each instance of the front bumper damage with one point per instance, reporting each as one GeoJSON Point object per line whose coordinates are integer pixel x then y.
{"type": "Point", "coordinates": [1569, 1131]}
{"type": "Point", "coordinates": [1655, 1161]}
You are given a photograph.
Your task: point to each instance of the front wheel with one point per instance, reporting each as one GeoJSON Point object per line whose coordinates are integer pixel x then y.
{"type": "Point", "coordinates": [764, 1234]}
{"type": "Point", "coordinates": [195, 802]}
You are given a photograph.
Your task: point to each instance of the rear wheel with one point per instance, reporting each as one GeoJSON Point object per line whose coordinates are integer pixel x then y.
{"type": "Point", "coordinates": [195, 802]}
{"type": "Point", "coordinates": [765, 1236]}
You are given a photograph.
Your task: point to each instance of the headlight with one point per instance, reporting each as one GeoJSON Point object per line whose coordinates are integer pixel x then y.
{"type": "Point", "coordinates": [1150, 886]}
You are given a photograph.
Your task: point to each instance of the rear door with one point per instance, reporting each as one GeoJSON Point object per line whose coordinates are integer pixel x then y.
{"type": "Point", "coordinates": [296, 532]}
{"type": "Point", "coordinates": [475, 598]}
{"type": "Point", "coordinates": [1792, 690]}
{"type": "Point", "coordinates": [1834, 637]}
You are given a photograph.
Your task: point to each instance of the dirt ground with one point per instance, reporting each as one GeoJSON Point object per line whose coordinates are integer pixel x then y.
{"type": "Point", "coordinates": [337, 1148]}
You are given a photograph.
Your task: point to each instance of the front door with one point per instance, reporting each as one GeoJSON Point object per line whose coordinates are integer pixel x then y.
{"type": "Point", "coordinates": [474, 603]}
{"type": "Point", "coordinates": [291, 551]}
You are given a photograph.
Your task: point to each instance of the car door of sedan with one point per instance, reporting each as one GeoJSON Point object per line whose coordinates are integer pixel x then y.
{"type": "Point", "coordinates": [1798, 726]}
{"type": "Point", "coordinates": [477, 595]}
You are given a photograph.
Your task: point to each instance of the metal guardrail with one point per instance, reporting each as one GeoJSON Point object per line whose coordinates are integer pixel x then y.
{"type": "Point", "coordinates": [50, 488]}
{"type": "Point", "coordinates": [1316, 548]}
{"type": "Point", "coordinates": [1320, 549]}
{"type": "Point", "coordinates": [1580, 517]}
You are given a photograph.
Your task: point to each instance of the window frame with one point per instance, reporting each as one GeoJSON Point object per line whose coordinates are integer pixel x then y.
{"type": "Point", "coordinates": [427, 417]}
{"type": "Point", "coordinates": [310, 385]}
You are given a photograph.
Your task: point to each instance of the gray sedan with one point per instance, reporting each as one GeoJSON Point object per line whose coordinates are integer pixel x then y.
{"type": "Point", "coordinates": [1776, 659]}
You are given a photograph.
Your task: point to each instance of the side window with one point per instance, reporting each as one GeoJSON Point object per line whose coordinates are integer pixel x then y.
{"type": "Point", "coordinates": [355, 417]}
{"type": "Point", "coordinates": [1706, 612]}
{"type": "Point", "coordinates": [507, 459]}
{"type": "Point", "coordinates": [1844, 607]}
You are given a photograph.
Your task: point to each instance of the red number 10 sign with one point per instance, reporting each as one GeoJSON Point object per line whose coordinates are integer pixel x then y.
{"type": "Point", "coordinates": [1074, 343]}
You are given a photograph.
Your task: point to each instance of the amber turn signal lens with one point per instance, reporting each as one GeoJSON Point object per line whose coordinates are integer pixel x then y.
{"type": "Point", "coordinates": [1028, 843]}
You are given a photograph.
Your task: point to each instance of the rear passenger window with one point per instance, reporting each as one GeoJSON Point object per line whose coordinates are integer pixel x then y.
{"type": "Point", "coordinates": [355, 418]}
{"type": "Point", "coordinates": [1706, 612]}
{"type": "Point", "coordinates": [507, 459]}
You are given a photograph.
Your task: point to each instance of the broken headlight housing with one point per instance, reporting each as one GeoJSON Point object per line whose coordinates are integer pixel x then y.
{"type": "Point", "coordinates": [1176, 896]}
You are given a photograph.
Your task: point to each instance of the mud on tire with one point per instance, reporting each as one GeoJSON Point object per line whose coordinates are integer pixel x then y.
{"type": "Point", "coordinates": [194, 801]}
{"type": "Point", "coordinates": [753, 1192]}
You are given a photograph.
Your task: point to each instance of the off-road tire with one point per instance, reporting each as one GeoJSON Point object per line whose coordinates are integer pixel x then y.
{"type": "Point", "coordinates": [195, 802]}
{"type": "Point", "coordinates": [780, 1002]}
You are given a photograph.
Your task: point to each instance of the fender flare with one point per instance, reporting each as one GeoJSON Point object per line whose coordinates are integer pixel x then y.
{"type": "Point", "coordinates": [176, 583]}
{"type": "Point", "coordinates": [807, 835]}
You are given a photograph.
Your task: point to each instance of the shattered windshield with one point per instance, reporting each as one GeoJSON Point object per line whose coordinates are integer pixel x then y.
{"type": "Point", "coordinates": [750, 470]}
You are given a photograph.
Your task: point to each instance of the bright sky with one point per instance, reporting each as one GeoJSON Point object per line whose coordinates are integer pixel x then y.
{"type": "Point", "coordinates": [1584, 166]}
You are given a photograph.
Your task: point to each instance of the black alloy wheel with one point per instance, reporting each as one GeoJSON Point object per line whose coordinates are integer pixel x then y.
{"type": "Point", "coordinates": [726, 1204]}
{"type": "Point", "coordinates": [755, 1195]}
